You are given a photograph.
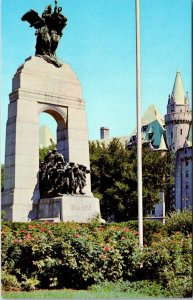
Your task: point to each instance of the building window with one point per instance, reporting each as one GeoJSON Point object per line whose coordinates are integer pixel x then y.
{"type": "Point", "coordinates": [187, 173]}
{"type": "Point", "coordinates": [186, 162]}
{"type": "Point", "coordinates": [180, 131]}
{"type": "Point", "coordinates": [171, 135]}
{"type": "Point", "coordinates": [144, 128]}
{"type": "Point", "coordinates": [187, 186]}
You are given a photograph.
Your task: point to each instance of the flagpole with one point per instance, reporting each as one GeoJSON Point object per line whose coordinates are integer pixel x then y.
{"type": "Point", "coordinates": [139, 142]}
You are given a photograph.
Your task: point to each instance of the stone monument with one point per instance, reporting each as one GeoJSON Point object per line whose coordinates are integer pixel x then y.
{"type": "Point", "coordinates": [45, 84]}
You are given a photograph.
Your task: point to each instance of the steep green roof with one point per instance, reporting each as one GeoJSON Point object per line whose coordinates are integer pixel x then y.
{"type": "Point", "coordinates": [153, 120]}
{"type": "Point", "coordinates": [162, 145]}
{"type": "Point", "coordinates": [152, 114]}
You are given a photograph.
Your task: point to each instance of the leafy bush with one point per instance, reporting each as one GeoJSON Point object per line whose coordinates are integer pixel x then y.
{"type": "Point", "coordinates": [71, 255]}
{"type": "Point", "coordinates": [179, 221]}
{"type": "Point", "coordinates": [169, 261]}
{"type": "Point", "coordinates": [3, 216]}
{"type": "Point", "coordinates": [29, 284]}
{"type": "Point", "coordinates": [9, 282]}
{"type": "Point", "coordinates": [149, 229]}
{"type": "Point", "coordinates": [68, 254]}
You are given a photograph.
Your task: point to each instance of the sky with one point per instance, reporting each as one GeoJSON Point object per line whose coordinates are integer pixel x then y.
{"type": "Point", "coordinates": [100, 45]}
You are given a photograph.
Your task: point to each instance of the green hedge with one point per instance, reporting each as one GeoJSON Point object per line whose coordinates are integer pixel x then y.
{"type": "Point", "coordinates": [180, 221]}
{"type": "Point", "coordinates": [170, 259]}
{"type": "Point", "coordinates": [149, 229]}
{"type": "Point", "coordinates": [58, 255]}
{"type": "Point", "coordinates": [68, 254]}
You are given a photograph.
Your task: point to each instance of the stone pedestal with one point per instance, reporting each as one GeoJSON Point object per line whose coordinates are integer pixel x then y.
{"type": "Point", "coordinates": [41, 87]}
{"type": "Point", "coordinates": [67, 208]}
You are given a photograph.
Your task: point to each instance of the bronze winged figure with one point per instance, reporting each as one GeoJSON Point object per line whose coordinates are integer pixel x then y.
{"type": "Point", "coordinates": [48, 31]}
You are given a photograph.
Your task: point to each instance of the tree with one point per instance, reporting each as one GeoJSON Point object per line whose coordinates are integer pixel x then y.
{"type": "Point", "coordinates": [43, 151]}
{"type": "Point", "coordinates": [2, 176]}
{"type": "Point", "coordinates": [114, 178]}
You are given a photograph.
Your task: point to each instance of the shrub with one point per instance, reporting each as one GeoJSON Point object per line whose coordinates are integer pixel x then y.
{"type": "Point", "coordinates": [3, 216]}
{"type": "Point", "coordinates": [179, 221]}
{"type": "Point", "coordinates": [149, 229]}
{"type": "Point", "coordinates": [9, 282]}
{"type": "Point", "coordinates": [29, 284]}
{"type": "Point", "coordinates": [168, 261]}
{"type": "Point", "coordinates": [68, 254]}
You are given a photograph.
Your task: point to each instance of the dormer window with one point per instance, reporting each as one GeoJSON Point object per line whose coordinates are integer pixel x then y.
{"type": "Point", "coordinates": [144, 128]}
{"type": "Point", "coordinates": [133, 139]}
{"type": "Point", "coordinates": [150, 133]}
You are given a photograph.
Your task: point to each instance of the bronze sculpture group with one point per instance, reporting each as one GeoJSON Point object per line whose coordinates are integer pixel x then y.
{"type": "Point", "coordinates": [58, 177]}
{"type": "Point", "coordinates": [48, 31]}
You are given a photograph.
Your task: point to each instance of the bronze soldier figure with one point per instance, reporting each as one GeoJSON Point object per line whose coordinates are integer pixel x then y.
{"type": "Point", "coordinates": [57, 177]}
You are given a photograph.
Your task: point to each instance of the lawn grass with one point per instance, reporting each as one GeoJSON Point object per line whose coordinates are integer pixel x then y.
{"type": "Point", "coordinates": [73, 294]}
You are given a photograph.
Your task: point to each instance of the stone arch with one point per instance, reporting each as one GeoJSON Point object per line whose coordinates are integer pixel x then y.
{"type": "Point", "coordinates": [40, 87]}
{"type": "Point", "coordinates": [60, 116]}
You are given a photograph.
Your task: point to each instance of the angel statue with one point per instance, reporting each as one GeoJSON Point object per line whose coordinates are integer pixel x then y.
{"type": "Point", "coordinates": [48, 31]}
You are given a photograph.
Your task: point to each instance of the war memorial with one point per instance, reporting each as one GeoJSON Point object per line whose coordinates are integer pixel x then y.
{"type": "Point", "coordinates": [58, 188]}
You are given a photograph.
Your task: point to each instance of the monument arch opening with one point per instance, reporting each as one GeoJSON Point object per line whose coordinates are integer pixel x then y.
{"type": "Point", "coordinates": [47, 130]}
{"type": "Point", "coordinates": [56, 131]}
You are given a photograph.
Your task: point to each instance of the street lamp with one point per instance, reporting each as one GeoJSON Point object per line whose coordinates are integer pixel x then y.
{"type": "Point", "coordinates": [139, 142]}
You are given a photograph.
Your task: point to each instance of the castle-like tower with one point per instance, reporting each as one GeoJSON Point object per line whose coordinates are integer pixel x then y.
{"type": "Point", "coordinates": [178, 131]}
{"type": "Point", "coordinates": [178, 117]}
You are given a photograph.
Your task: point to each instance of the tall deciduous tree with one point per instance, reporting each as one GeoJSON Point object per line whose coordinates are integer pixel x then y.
{"type": "Point", "coordinates": [114, 178]}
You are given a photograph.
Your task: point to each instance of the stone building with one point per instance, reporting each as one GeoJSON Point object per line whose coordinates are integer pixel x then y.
{"type": "Point", "coordinates": [172, 133]}
{"type": "Point", "coordinates": [183, 176]}
{"type": "Point", "coordinates": [46, 138]}
{"type": "Point", "coordinates": [152, 130]}
{"type": "Point", "coordinates": [178, 117]}
{"type": "Point", "coordinates": [178, 122]}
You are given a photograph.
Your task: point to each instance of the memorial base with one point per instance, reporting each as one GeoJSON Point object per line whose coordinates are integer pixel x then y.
{"type": "Point", "coordinates": [68, 208]}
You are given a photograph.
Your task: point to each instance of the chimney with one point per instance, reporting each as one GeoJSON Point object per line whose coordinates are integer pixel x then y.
{"type": "Point", "coordinates": [104, 133]}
